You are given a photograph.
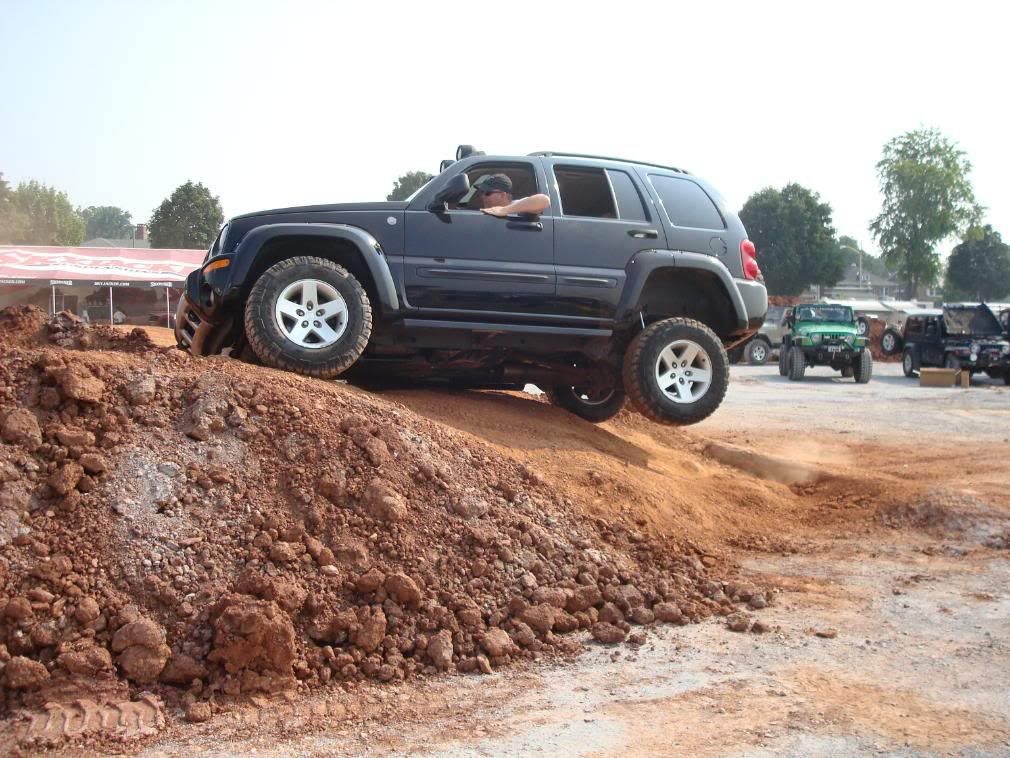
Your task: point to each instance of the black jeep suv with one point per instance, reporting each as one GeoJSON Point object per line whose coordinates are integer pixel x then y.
{"type": "Point", "coordinates": [634, 281]}
{"type": "Point", "coordinates": [968, 337]}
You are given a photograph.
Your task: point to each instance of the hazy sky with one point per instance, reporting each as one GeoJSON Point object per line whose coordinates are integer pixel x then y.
{"type": "Point", "coordinates": [272, 104]}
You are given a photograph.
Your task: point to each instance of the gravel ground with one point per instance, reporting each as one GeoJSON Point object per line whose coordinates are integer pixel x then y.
{"type": "Point", "coordinates": [890, 406]}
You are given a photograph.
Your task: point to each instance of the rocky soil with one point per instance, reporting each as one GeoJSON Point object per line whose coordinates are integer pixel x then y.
{"type": "Point", "coordinates": [186, 533]}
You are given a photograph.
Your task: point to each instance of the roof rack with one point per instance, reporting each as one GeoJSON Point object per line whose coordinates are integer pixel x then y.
{"type": "Point", "coordinates": [555, 153]}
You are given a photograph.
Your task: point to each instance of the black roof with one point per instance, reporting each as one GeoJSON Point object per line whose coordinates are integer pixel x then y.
{"type": "Point", "coordinates": [559, 154]}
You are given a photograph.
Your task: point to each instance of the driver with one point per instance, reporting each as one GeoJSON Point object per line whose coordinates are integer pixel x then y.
{"type": "Point", "coordinates": [496, 197]}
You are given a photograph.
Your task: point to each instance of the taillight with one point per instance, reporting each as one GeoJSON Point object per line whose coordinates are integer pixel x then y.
{"type": "Point", "coordinates": [748, 257]}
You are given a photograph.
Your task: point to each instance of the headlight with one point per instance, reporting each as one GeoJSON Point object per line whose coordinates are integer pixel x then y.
{"type": "Point", "coordinates": [974, 348]}
{"type": "Point", "coordinates": [850, 339]}
{"type": "Point", "coordinates": [816, 338]}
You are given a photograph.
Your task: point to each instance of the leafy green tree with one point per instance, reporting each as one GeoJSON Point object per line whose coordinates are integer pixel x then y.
{"type": "Point", "coordinates": [408, 184]}
{"type": "Point", "coordinates": [189, 218]}
{"type": "Point", "coordinates": [107, 221]}
{"type": "Point", "coordinates": [979, 267]}
{"type": "Point", "coordinates": [795, 239]}
{"type": "Point", "coordinates": [43, 216]}
{"type": "Point", "coordinates": [927, 198]}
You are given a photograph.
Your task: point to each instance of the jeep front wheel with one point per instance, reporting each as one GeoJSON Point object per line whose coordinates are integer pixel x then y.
{"type": "Point", "coordinates": [757, 352]}
{"type": "Point", "coordinates": [592, 406]}
{"type": "Point", "coordinates": [862, 369]}
{"type": "Point", "coordinates": [308, 315]}
{"type": "Point", "coordinates": [797, 363]}
{"type": "Point", "coordinates": [910, 362]}
{"type": "Point", "coordinates": [675, 371]}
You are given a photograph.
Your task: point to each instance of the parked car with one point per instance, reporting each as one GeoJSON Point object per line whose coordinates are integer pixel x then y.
{"type": "Point", "coordinates": [634, 282]}
{"type": "Point", "coordinates": [769, 336]}
{"type": "Point", "coordinates": [966, 337]}
{"type": "Point", "coordinates": [821, 334]}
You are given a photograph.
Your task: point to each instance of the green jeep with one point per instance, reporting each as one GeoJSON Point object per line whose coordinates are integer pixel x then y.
{"type": "Point", "coordinates": [824, 335]}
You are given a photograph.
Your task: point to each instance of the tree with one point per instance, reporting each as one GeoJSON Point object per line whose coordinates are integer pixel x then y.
{"type": "Point", "coordinates": [979, 267]}
{"type": "Point", "coordinates": [927, 198]}
{"type": "Point", "coordinates": [107, 221]}
{"type": "Point", "coordinates": [795, 239]}
{"type": "Point", "coordinates": [12, 223]}
{"type": "Point", "coordinates": [41, 215]}
{"type": "Point", "coordinates": [851, 251]}
{"type": "Point", "coordinates": [190, 218]}
{"type": "Point", "coordinates": [408, 184]}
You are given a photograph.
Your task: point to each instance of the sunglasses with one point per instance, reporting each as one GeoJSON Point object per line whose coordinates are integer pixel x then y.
{"type": "Point", "coordinates": [491, 192]}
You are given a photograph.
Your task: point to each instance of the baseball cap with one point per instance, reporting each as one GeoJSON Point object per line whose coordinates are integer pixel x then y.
{"type": "Point", "coordinates": [488, 183]}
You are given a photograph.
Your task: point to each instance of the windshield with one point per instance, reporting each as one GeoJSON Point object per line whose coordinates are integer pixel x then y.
{"type": "Point", "coordinates": [837, 314]}
{"type": "Point", "coordinates": [774, 315]}
{"type": "Point", "coordinates": [978, 321]}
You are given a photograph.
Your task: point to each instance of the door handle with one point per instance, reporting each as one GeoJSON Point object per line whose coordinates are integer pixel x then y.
{"type": "Point", "coordinates": [643, 234]}
{"type": "Point", "coordinates": [529, 226]}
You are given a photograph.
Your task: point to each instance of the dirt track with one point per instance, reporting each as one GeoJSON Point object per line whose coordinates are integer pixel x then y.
{"type": "Point", "coordinates": [912, 617]}
{"type": "Point", "coordinates": [890, 544]}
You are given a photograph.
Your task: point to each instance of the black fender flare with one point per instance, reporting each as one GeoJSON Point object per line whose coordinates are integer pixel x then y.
{"type": "Point", "coordinates": [644, 263]}
{"type": "Point", "coordinates": [367, 246]}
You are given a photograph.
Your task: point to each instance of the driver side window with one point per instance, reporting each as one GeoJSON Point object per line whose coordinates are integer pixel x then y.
{"type": "Point", "coordinates": [524, 182]}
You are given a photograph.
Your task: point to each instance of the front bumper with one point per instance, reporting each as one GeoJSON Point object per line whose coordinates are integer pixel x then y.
{"type": "Point", "coordinates": [199, 327]}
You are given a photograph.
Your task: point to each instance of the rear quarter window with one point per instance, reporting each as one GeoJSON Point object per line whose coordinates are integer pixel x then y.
{"type": "Point", "coordinates": [686, 204]}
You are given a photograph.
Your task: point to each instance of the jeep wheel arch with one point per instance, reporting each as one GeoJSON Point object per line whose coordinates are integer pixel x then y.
{"type": "Point", "coordinates": [672, 292]}
{"type": "Point", "coordinates": [348, 246]}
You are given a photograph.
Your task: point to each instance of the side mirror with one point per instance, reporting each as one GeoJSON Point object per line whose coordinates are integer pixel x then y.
{"type": "Point", "coordinates": [458, 186]}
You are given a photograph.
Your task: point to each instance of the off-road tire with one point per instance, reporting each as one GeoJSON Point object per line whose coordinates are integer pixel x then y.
{"type": "Point", "coordinates": [639, 372]}
{"type": "Point", "coordinates": [275, 350]}
{"type": "Point", "coordinates": [909, 362]}
{"type": "Point", "coordinates": [757, 352]}
{"type": "Point", "coordinates": [797, 363]}
{"type": "Point", "coordinates": [783, 361]}
{"type": "Point", "coordinates": [890, 342]}
{"type": "Point", "coordinates": [952, 361]}
{"type": "Point", "coordinates": [863, 326]}
{"type": "Point", "coordinates": [566, 397]}
{"type": "Point", "coordinates": [862, 369]}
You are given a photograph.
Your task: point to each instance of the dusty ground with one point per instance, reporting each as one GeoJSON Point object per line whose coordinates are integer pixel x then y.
{"type": "Point", "coordinates": [878, 512]}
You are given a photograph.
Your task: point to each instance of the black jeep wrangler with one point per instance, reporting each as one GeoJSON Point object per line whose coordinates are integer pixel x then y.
{"type": "Point", "coordinates": [635, 280]}
{"type": "Point", "coordinates": [968, 337]}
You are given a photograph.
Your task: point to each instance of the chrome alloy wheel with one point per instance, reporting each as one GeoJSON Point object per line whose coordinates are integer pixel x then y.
{"type": "Point", "coordinates": [311, 313]}
{"type": "Point", "coordinates": [684, 371]}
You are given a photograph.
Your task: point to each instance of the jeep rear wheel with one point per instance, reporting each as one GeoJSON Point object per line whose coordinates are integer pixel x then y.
{"type": "Point", "coordinates": [862, 369]}
{"type": "Point", "coordinates": [675, 371]}
{"type": "Point", "coordinates": [757, 352]}
{"type": "Point", "coordinates": [308, 315]}
{"type": "Point", "coordinates": [592, 406]}
{"type": "Point", "coordinates": [909, 362]}
{"type": "Point", "coordinates": [797, 363]}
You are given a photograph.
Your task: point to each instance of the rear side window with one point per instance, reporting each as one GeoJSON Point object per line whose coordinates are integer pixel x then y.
{"type": "Point", "coordinates": [686, 204]}
{"type": "Point", "coordinates": [914, 326]}
{"type": "Point", "coordinates": [585, 192]}
{"type": "Point", "coordinates": [629, 201]}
